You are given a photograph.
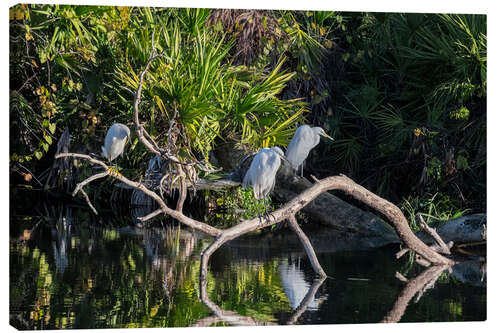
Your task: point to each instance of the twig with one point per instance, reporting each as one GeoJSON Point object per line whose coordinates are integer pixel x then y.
{"type": "Point", "coordinates": [88, 201]}
{"type": "Point", "coordinates": [432, 232]}
{"type": "Point", "coordinates": [182, 189]}
{"type": "Point", "coordinates": [422, 262]}
{"type": "Point", "coordinates": [401, 277]}
{"type": "Point", "coordinates": [83, 156]}
{"type": "Point", "coordinates": [150, 215]}
{"type": "Point", "coordinates": [435, 247]}
{"type": "Point", "coordinates": [315, 179]}
{"type": "Point", "coordinates": [402, 252]}
{"type": "Point", "coordinates": [308, 298]}
{"type": "Point", "coordinates": [80, 185]}
{"type": "Point", "coordinates": [31, 173]}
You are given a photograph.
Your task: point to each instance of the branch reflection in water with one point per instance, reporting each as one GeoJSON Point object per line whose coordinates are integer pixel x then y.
{"type": "Point", "coordinates": [426, 280]}
{"type": "Point", "coordinates": [233, 318]}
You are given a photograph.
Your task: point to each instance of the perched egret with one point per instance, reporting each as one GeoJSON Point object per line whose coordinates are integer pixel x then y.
{"type": "Point", "coordinates": [261, 175]}
{"type": "Point", "coordinates": [115, 141]}
{"type": "Point", "coordinates": [304, 139]}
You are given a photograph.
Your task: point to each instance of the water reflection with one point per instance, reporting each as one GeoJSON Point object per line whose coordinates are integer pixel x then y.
{"type": "Point", "coordinates": [295, 285]}
{"type": "Point", "coordinates": [69, 271]}
{"type": "Point", "coordinates": [420, 284]}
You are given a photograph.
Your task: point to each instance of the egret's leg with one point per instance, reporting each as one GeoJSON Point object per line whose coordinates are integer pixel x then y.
{"type": "Point", "coordinates": [258, 210]}
{"type": "Point", "coordinates": [302, 170]}
{"type": "Point", "coordinates": [267, 214]}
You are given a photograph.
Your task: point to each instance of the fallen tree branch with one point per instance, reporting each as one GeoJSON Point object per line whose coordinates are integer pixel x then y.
{"type": "Point", "coordinates": [163, 206]}
{"type": "Point", "coordinates": [343, 183]}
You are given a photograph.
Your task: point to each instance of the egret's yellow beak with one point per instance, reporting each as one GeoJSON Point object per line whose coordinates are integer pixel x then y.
{"type": "Point", "coordinates": [326, 136]}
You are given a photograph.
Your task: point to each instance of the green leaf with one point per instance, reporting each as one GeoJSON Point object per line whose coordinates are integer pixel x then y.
{"type": "Point", "coordinates": [45, 146]}
{"type": "Point", "coordinates": [52, 128]}
{"type": "Point", "coordinates": [38, 155]}
{"type": "Point", "coordinates": [48, 139]}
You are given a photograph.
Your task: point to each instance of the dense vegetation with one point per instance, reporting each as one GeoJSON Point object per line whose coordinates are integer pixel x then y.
{"type": "Point", "coordinates": [404, 95]}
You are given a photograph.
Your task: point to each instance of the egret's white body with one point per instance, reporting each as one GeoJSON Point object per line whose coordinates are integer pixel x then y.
{"type": "Point", "coordinates": [262, 172]}
{"type": "Point", "coordinates": [115, 141]}
{"type": "Point", "coordinates": [303, 141]}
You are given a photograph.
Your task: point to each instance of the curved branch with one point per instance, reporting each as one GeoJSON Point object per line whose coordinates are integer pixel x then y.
{"type": "Point", "coordinates": [80, 186]}
{"type": "Point", "coordinates": [345, 184]}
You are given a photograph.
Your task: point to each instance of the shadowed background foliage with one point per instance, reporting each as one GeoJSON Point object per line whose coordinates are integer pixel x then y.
{"type": "Point", "coordinates": [404, 95]}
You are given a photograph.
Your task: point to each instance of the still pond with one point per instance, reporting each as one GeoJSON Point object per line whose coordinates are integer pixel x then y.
{"type": "Point", "coordinates": [69, 271]}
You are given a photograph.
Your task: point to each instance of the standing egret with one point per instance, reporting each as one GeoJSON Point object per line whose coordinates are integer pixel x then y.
{"type": "Point", "coordinates": [304, 139]}
{"type": "Point", "coordinates": [115, 141]}
{"type": "Point", "coordinates": [261, 175]}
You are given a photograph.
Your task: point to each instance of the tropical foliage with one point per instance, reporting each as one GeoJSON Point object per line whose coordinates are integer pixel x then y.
{"type": "Point", "coordinates": [404, 95]}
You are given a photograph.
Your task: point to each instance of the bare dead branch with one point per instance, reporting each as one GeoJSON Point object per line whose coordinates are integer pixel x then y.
{"type": "Point", "coordinates": [315, 179]}
{"type": "Point", "coordinates": [182, 189]}
{"type": "Point", "coordinates": [401, 277]}
{"type": "Point", "coordinates": [88, 201]}
{"type": "Point", "coordinates": [150, 215]}
{"type": "Point", "coordinates": [80, 185]}
{"type": "Point", "coordinates": [435, 247]}
{"type": "Point", "coordinates": [432, 232]}
{"type": "Point", "coordinates": [83, 156]}
{"type": "Point", "coordinates": [173, 213]}
{"type": "Point", "coordinates": [292, 222]}
{"type": "Point", "coordinates": [392, 212]}
{"type": "Point", "coordinates": [149, 142]}
{"type": "Point", "coordinates": [422, 262]}
{"type": "Point", "coordinates": [402, 252]}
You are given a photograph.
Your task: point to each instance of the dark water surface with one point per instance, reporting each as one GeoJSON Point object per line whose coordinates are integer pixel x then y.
{"type": "Point", "coordinates": [69, 272]}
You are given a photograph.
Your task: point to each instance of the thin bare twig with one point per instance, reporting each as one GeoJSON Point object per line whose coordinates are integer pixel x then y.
{"type": "Point", "coordinates": [432, 232]}
{"type": "Point", "coordinates": [83, 156]}
{"type": "Point", "coordinates": [80, 185]}
{"type": "Point", "coordinates": [88, 201]}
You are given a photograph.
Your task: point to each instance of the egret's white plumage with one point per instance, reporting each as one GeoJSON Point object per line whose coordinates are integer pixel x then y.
{"type": "Point", "coordinates": [115, 141]}
{"type": "Point", "coordinates": [304, 139]}
{"type": "Point", "coordinates": [262, 172]}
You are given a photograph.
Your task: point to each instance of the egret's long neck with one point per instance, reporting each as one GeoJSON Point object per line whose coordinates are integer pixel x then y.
{"type": "Point", "coordinates": [317, 136]}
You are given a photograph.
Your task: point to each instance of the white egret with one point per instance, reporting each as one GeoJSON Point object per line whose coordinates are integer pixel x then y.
{"type": "Point", "coordinates": [261, 175]}
{"type": "Point", "coordinates": [115, 141]}
{"type": "Point", "coordinates": [303, 141]}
